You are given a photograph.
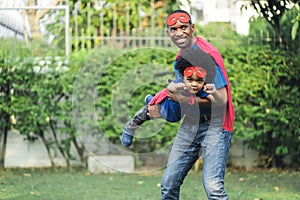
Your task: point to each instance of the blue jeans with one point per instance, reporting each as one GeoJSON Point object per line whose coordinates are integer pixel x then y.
{"type": "Point", "coordinates": [214, 142]}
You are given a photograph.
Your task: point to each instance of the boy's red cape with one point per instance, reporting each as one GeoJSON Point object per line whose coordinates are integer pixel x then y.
{"type": "Point", "coordinates": [214, 53]}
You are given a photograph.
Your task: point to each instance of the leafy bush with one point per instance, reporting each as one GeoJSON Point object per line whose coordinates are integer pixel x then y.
{"type": "Point", "coordinates": [264, 84]}
{"type": "Point", "coordinates": [107, 86]}
{"type": "Point", "coordinates": [36, 99]}
{"type": "Point", "coordinates": [122, 79]}
{"type": "Point", "coordinates": [265, 89]}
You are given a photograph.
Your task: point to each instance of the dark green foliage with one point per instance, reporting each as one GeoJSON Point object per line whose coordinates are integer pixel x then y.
{"type": "Point", "coordinates": [261, 32]}
{"type": "Point", "coordinates": [122, 80]}
{"type": "Point", "coordinates": [37, 99]}
{"type": "Point", "coordinates": [265, 87]}
{"type": "Point", "coordinates": [102, 89]}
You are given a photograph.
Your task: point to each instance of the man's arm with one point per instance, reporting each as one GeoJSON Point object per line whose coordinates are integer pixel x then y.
{"type": "Point", "coordinates": [219, 97]}
{"type": "Point", "coordinates": [153, 111]}
{"type": "Point", "coordinates": [180, 98]}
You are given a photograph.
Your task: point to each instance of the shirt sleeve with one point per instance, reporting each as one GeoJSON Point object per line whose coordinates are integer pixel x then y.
{"type": "Point", "coordinates": [219, 79]}
{"type": "Point", "coordinates": [177, 74]}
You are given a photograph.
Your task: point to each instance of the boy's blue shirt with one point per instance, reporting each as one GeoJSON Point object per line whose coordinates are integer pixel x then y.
{"type": "Point", "coordinates": [171, 110]}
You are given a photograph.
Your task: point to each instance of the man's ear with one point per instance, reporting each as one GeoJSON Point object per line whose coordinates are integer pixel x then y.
{"type": "Point", "coordinates": [193, 27]}
{"type": "Point", "coordinates": [167, 31]}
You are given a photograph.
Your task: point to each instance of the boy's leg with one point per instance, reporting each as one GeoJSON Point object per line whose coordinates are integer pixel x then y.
{"type": "Point", "coordinates": [138, 119]}
{"type": "Point", "coordinates": [148, 98]}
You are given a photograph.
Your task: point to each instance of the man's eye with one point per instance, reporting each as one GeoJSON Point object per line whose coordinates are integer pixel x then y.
{"type": "Point", "coordinates": [184, 27]}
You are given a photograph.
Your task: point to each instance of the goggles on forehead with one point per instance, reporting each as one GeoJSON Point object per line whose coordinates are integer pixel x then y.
{"type": "Point", "coordinates": [181, 16]}
{"type": "Point", "coordinates": [200, 72]}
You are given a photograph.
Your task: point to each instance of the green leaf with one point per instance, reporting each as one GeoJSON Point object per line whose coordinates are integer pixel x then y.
{"type": "Point", "coordinates": [295, 30]}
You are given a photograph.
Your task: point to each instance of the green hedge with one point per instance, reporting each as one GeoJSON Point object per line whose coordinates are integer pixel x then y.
{"type": "Point", "coordinates": [123, 79]}
{"type": "Point", "coordinates": [36, 100]}
{"type": "Point", "coordinates": [265, 89]}
{"type": "Point", "coordinates": [109, 86]}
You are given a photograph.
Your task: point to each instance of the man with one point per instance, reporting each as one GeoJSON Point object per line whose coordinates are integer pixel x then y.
{"type": "Point", "coordinates": [211, 131]}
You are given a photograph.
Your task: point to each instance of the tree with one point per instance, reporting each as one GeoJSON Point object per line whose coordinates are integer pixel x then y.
{"type": "Point", "coordinates": [9, 59]}
{"type": "Point", "coordinates": [272, 11]}
{"type": "Point", "coordinates": [34, 18]}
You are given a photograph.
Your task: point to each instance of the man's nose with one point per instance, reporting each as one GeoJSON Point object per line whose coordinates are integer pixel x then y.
{"type": "Point", "coordinates": [179, 31]}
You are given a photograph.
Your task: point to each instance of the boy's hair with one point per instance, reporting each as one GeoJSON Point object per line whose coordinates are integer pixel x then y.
{"type": "Point", "coordinates": [181, 64]}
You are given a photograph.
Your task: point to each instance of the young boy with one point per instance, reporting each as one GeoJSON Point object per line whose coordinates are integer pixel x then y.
{"type": "Point", "coordinates": [191, 85]}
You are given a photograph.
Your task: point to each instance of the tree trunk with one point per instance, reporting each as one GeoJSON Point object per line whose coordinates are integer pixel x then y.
{"type": "Point", "coordinates": [60, 148]}
{"type": "Point", "coordinates": [34, 18]}
{"type": "Point", "coordinates": [80, 151]}
{"type": "Point", "coordinates": [34, 25]}
{"type": "Point", "coordinates": [4, 143]}
{"type": "Point", "coordinates": [6, 126]}
{"type": "Point", "coordinates": [47, 148]}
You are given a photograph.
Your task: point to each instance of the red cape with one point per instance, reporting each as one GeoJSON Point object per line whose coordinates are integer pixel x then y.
{"type": "Point", "coordinates": [214, 53]}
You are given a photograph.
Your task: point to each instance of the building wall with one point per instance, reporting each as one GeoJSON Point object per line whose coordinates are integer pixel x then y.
{"type": "Point", "coordinates": [22, 153]}
{"type": "Point", "coordinates": [220, 11]}
{"type": "Point", "coordinates": [12, 23]}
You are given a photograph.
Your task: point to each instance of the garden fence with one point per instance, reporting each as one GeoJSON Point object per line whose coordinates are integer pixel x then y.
{"type": "Point", "coordinates": [121, 33]}
{"type": "Point", "coordinates": [124, 35]}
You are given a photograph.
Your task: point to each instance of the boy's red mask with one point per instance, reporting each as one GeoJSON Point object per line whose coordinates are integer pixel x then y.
{"type": "Point", "coordinates": [200, 72]}
{"type": "Point", "coordinates": [181, 16]}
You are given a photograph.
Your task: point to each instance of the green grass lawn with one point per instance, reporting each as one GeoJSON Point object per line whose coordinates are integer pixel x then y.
{"type": "Point", "coordinates": [46, 184]}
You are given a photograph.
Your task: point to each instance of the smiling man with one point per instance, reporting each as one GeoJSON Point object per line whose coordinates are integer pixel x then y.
{"type": "Point", "coordinates": [211, 132]}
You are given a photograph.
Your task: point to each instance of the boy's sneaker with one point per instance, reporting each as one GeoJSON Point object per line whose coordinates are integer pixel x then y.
{"type": "Point", "coordinates": [148, 98]}
{"type": "Point", "coordinates": [139, 118]}
{"type": "Point", "coordinates": [128, 133]}
{"type": "Point", "coordinates": [126, 139]}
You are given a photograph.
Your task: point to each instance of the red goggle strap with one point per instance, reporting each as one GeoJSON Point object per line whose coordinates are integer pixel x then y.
{"type": "Point", "coordinates": [200, 72]}
{"type": "Point", "coordinates": [182, 17]}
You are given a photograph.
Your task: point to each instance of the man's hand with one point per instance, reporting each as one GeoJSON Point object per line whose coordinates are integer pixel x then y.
{"type": "Point", "coordinates": [219, 96]}
{"type": "Point", "coordinates": [153, 111]}
{"type": "Point", "coordinates": [210, 88]}
{"type": "Point", "coordinates": [176, 87]}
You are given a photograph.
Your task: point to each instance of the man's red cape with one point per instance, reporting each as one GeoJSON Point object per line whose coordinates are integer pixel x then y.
{"type": "Point", "coordinates": [214, 53]}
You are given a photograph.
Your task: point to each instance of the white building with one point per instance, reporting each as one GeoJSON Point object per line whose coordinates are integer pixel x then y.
{"type": "Point", "coordinates": [203, 12]}
{"type": "Point", "coordinates": [12, 22]}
